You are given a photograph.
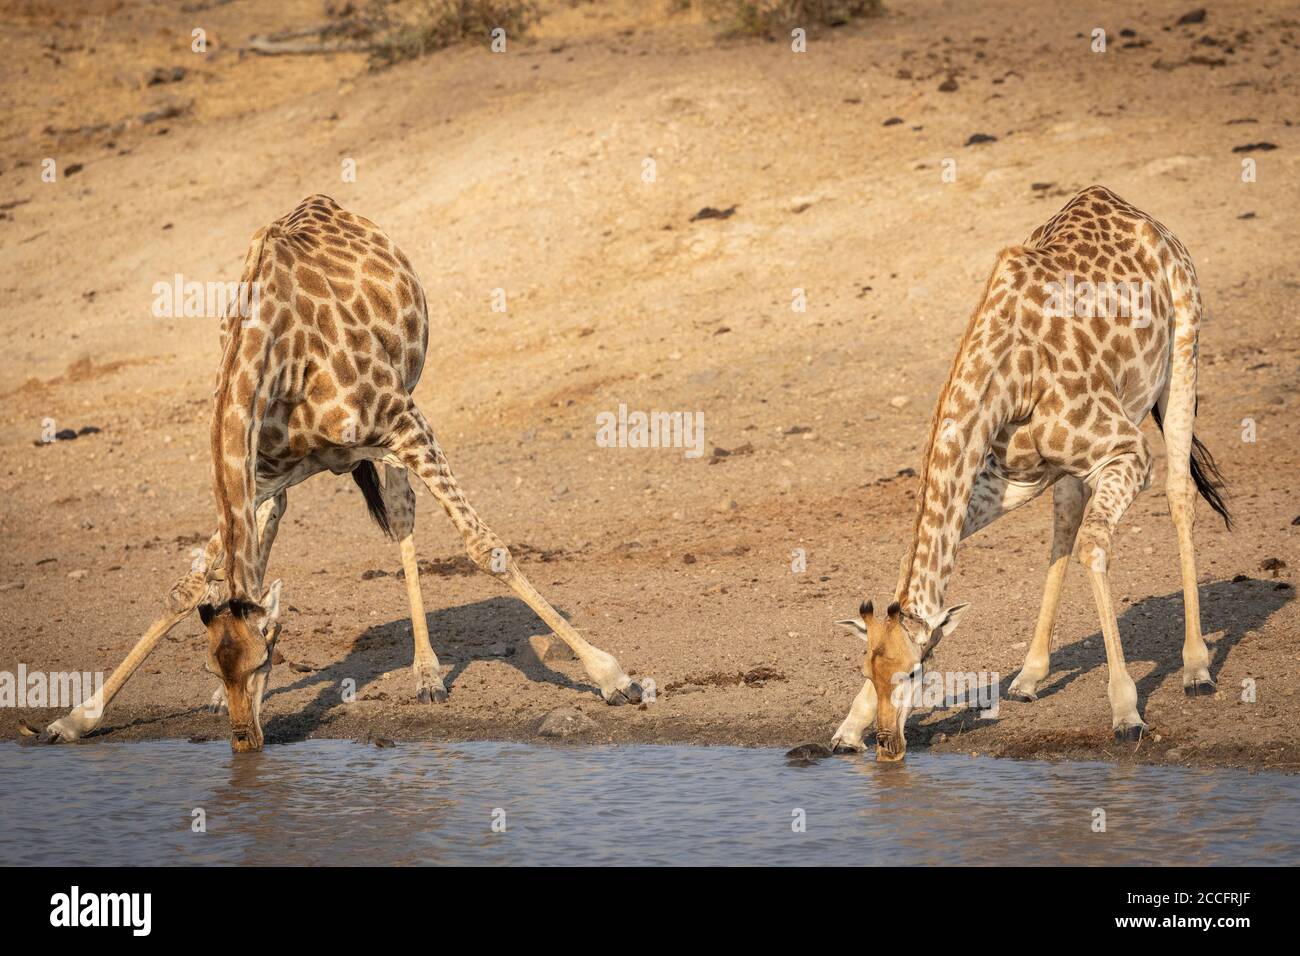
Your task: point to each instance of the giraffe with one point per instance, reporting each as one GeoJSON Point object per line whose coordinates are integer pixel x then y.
{"type": "Point", "coordinates": [318, 375]}
{"type": "Point", "coordinates": [1081, 331]}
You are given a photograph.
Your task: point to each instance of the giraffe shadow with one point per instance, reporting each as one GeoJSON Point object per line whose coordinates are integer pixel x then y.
{"type": "Point", "coordinates": [1152, 629]}
{"type": "Point", "coordinates": [462, 635]}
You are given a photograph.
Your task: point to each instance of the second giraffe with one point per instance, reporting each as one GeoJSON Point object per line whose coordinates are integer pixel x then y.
{"type": "Point", "coordinates": [1082, 331]}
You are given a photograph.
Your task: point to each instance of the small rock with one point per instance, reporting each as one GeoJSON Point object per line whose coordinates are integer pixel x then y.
{"type": "Point", "coordinates": [808, 752]}
{"type": "Point", "coordinates": [501, 650]}
{"type": "Point", "coordinates": [893, 121]}
{"type": "Point", "coordinates": [372, 573]}
{"type": "Point", "coordinates": [1272, 564]}
{"type": "Point", "coordinates": [977, 138]}
{"type": "Point", "coordinates": [1254, 148]}
{"type": "Point", "coordinates": [726, 505]}
{"type": "Point", "coordinates": [898, 401]}
{"type": "Point", "coordinates": [709, 212]}
{"type": "Point", "coordinates": [686, 559]}
{"type": "Point", "coordinates": [949, 85]}
{"type": "Point", "coordinates": [77, 575]}
{"type": "Point", "coordinates": [565, 722]}
{"type": "Point", "coordinates": [1191, 16]}
{"type": "Point", "coordinates": [13, 586]}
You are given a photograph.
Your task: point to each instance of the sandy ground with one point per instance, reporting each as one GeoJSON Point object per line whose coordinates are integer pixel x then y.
{"type": "Point", "coordinates": [523, 172]}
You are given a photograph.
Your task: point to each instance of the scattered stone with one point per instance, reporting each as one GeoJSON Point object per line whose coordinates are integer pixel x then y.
{"type": "Point", "coordinates": [501, 650]}
{"type": "Point", "coordinates": [893, 121]}
{"type": "Point", "coordinates": [808, 752]}
{"type": "Point", "coordinates": [13, 586]}
{"type": "Point", "coordinates": [708, 212]}
{"type": "Point", "coordinates": [1190, 17]}
{"type": "Point", "coordinates": [77, 575]}
{"type": "Point", "coordinates": [977, 138]}
{"type": "Point", "coordinates": [1272, 564]}
{"type": "Point", "coordinates": [380, 742]}
{"type": "Point", "coordinates": [726, 505]}
{"type": "Point", "coordinates": [949, 85]}
{"type": "Point", "coordinates": [1247, 215]}
{"type": "Point", "coordinates": [686, 559]}
{"type": "Point", "coordinates": [1254, 148]}
{"type": "Point", "coordinates": [899, 401]}
{"type": "Point", "coordinates": [565, 722]}
{"type": "Point", "coordinates": [372, 573]}
{"type": "Point", "coordinates": [1238, 578]}
{"type": "Point", "coordinates": [160, 75]}
{"type": "Point", "coordinates": [1295, 521]}
{"type": "Point", "coordinates": [800, 203]}
{"type": "Point", "coordinates": [797, 430]}
{"type": "Point", "coordinates": [720, 453]}
{"type": "Point", "coordinates": [542, 648]}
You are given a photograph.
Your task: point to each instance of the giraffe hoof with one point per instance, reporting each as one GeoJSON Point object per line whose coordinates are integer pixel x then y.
{"type": "Point", "coordinates": [432, 695]}
{"type": "Point", "coordinates": [1024, 696]}
{"type": "Point", "coordinates": [219, 710]}
{"type": "Point", "coordinates": [1129, 735]}
{"type": "Point", "coordinates": [631, 694]}
{"type": "Point", "coordinates": [840, 747]}
{"type": "Point", "coordinates": [1204, 688]}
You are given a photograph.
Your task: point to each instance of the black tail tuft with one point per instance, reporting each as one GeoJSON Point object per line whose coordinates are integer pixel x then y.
{"type": "Point", "coordinates": [1205, 473]}
{"type": "Point", "coordinates": [367, 479]}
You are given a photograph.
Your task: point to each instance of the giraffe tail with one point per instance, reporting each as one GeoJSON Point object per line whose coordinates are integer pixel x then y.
{"type": "Point", "coordinates": [367, 479]}
{"type": "Point", "coordinates": [1206, 476]}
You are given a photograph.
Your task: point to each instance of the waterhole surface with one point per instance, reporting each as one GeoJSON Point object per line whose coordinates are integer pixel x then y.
{"type": "Point", "coordinates": [324, 802]}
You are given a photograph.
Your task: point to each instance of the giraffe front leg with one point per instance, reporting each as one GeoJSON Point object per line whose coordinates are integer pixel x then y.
{"type": "Point", "coordinates": [184, 596]}
{"type": "Point", "coordinates": [862, 714]}
{"type": "Point", "coordinates": [415, 447]}
{"type": "Point", "coordinates": [1116, 485]}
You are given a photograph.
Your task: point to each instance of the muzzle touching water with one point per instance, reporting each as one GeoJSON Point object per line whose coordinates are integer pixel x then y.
{"type": "Point", "coordinates": [890, 746]}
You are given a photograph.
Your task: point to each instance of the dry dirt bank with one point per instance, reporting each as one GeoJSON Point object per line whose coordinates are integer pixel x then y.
{"type": "Point", "coordinates": [523, 172]}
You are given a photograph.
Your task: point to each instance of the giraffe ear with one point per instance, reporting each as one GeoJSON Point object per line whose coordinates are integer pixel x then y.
{"type": "Point", "coordinates": [944, 623]}
{"type": "Point", "coordinates": [854, 624]}
{"type": "Point", "coordinates": [949, 619]}
{"type": "Point", "coordinates": [271, 602]}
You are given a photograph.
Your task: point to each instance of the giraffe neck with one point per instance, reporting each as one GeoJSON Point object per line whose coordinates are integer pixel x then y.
{"type": "Point", "coordinates": [972, 407]}
{"type": "Point", "coordinates": [239, 405]}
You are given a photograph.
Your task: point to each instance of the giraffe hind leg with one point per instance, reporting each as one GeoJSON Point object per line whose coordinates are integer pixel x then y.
{"type": "Point", "coordinates": [1069, 497]}
{"type": "Point", "coordinates": [398, 508]}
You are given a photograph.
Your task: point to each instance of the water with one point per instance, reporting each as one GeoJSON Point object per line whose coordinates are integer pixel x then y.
{"type": "Point", "coordinates": [339, 802]}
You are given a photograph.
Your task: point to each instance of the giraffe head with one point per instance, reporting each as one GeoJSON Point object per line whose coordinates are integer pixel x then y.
{"type": "Point", "coordinates": [897, 647]}
{"type": "Point", "coordinates": [241, 642]}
